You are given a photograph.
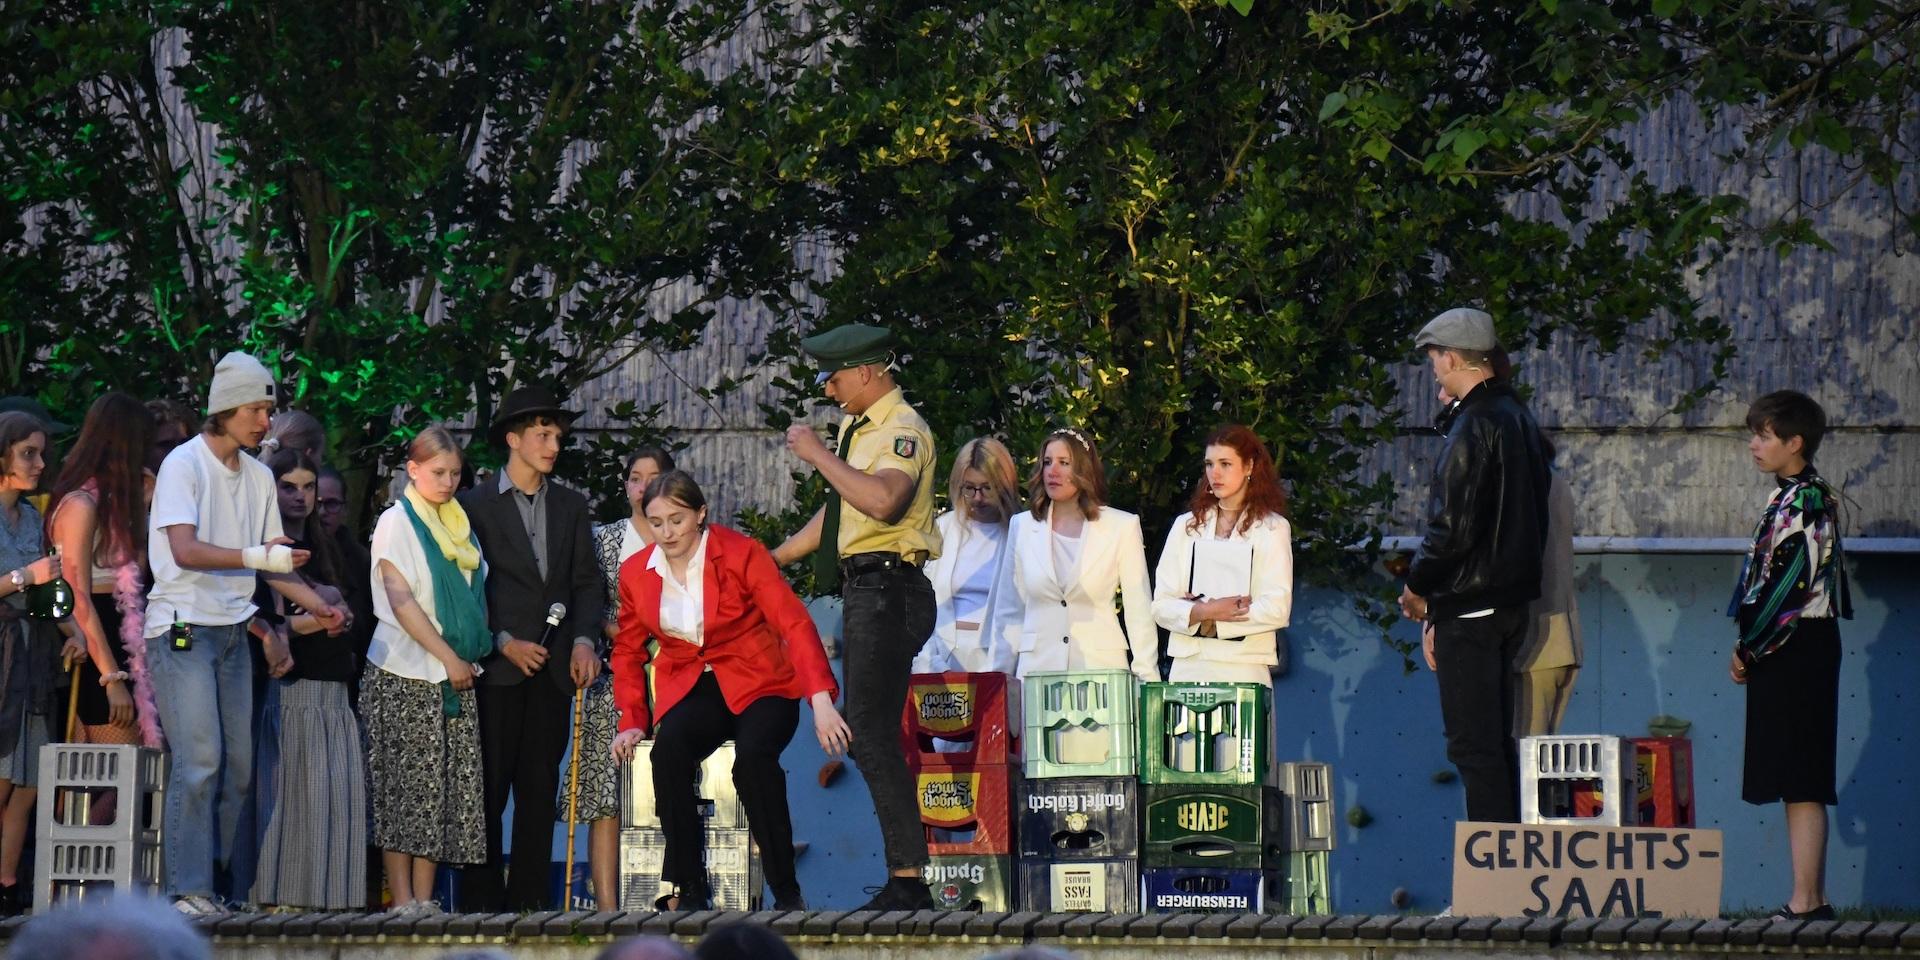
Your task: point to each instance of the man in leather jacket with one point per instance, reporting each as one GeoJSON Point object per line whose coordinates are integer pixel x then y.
{"type": "Point", "coordinates": [1479, 562]}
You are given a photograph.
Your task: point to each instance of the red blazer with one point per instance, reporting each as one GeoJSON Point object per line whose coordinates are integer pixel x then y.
{"type": "Point", "coordinates": [760, 640]}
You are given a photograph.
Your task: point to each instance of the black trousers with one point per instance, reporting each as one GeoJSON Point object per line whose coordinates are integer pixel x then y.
{"type": "Point", "coordinates": [687, 735]}
{"type": "Point", "coordinates": [885, 616]}
{"type": "Point", "coordinates": [523, 735]}
{"type": "Point", "coordinates": [1475, 659]}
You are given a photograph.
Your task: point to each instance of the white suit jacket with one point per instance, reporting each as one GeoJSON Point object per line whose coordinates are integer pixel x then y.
{"type": "Point", "coordinates": [988, 651]}
{"type": "Point", "coordinates": [1068, 623]}
{"type": "Point", "coordinates": [1272, 596]}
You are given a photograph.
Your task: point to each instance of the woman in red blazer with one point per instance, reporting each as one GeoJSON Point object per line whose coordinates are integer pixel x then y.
{"type": "Point", "coordinates": [737, 653]}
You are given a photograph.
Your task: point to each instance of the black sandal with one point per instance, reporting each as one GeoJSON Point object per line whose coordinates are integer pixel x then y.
{"type": "Point", "coordinates": [1821, 912]}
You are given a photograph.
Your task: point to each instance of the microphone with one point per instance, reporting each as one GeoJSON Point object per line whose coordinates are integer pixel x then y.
{"type": "Point", "coordinates": [555, 614]}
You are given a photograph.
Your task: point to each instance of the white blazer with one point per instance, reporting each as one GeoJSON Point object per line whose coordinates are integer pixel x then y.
{"type": "Point", "coordinates": [1069, 622]}
{"type": "Point", "coordinates": [1272, 597]}
{"type": "Point", "coordinates": [989, 650]}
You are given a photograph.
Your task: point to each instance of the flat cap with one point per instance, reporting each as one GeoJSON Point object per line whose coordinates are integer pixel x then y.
{"type": "Point", "coordinates": [851, 345]}
{"type": "Point", "coordinates": [1462, 328]}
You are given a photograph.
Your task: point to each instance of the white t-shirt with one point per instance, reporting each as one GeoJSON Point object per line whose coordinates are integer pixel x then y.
{"type": "Point", "coordinates": [228, 508]}
{"type": "Point", "coordinates": [1066, 558]}
{"type": "Point", "coordinates": [393, 649]}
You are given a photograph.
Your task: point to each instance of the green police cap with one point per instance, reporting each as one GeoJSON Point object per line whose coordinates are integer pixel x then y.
{"type": "Point", "coordinates": [851, 345]}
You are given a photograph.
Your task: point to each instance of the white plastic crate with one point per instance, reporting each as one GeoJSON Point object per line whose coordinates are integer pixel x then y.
{"type": "Point", "coordinates": [733, 868]}
{"type": "Point", "coordinates": [1555, 770]}
{"type": "Point", "coordinates": [719, 802]}
{"type": "Point", "coordinates": [100, 812]}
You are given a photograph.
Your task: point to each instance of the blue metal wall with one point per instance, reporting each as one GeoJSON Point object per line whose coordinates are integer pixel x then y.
{"type": "Point", "coordinates": [1656, 644]}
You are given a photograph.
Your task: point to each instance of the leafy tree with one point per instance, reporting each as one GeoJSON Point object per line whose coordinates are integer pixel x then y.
{"type": "Point", "coordinates": [1145, 219]}
{"type": "Point", "coordinates": [407, 207]}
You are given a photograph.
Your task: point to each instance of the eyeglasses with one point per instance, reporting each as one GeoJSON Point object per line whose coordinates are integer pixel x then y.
{"type": "Point", "coordinates": [975, 491]}
{"type": "Point", "coordinates": [332, 503]}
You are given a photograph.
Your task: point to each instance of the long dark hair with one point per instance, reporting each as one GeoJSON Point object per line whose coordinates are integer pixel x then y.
{"type": "Point", "coordinates": [111, 453]}
{"type": "Point", "coordinates": [1265, 496]}
{"type": "Point", "coordinates": [322, 566]}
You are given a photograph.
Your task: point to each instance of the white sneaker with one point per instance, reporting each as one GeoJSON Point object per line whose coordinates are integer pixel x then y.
{"type": "Point", "coordinates": [418, 908]}
{"type": "Point", "coordinates": [197, 906]}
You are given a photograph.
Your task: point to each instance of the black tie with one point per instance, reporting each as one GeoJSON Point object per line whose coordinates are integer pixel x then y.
{"type": "Point", "coordinates": [826, 557]}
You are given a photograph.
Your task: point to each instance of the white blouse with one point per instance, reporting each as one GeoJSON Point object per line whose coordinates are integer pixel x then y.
{"type": "Point", "coordinates": [683, 609]}
{"type": "Point", "coordinates": [973, 571]}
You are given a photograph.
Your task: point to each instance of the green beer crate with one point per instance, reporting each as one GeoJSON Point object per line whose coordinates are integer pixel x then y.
{"type": "Point", "coordinates": [981, 883]}
{"type": "Point", "coordinates": [1236, 827]}
{"type": "Point", "coordinates": [1305, 885]}
{"type": "Point", "coordinates": [1080, 724]}
{"type": "Point", "coordinates": [1206, 733]}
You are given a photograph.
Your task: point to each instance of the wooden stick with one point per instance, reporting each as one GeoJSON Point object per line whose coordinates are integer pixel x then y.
{"type": "Point", "coordinates": [573, 798]}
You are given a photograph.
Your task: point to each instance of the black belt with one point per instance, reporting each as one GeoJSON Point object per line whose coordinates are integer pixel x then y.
{"type": "Point", "coordinates": [862, 563]}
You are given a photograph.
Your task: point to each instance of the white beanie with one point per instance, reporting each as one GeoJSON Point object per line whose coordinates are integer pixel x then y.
{"type": "Point", "coordinates": [238, 381]}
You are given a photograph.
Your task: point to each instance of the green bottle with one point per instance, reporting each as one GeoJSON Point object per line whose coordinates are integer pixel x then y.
{"type": "Point", "coordinates": [52, 600]}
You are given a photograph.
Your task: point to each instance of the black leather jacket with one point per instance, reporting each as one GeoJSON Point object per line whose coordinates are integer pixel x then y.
{"type": "Point", "coordinates": [1487, 513]}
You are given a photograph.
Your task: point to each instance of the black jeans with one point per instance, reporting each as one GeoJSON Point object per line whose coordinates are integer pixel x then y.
{"type": "Point", "coordinates": [885, 616]}
{"type": "Point", "coordinates": [688, 734]}
{"type": "Point", "coordinates": [1475, 659]}
{"type": "Point", "coordinates": [523, 735]}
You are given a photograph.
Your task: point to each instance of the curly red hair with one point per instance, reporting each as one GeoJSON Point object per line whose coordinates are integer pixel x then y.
{"type": "Point", "coordinates": [1265, 496]}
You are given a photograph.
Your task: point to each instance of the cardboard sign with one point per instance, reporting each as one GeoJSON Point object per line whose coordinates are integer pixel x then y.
{"type": "Point", "coordinates": [1527, 870]}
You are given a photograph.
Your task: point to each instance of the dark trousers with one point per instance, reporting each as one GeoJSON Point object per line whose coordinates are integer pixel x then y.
{"type": "Point", "coordinates": [885, 616]}
{"type": "Point", "coordinates": [688, 734]}
{"type": "Point", "coordinates": [523, 734]}
{"type": "Point", "coordinates": [1475, 659]}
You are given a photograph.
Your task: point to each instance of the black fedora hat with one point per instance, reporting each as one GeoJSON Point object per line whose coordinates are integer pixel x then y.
{"type": "Point", "coordinates": [526, 402]}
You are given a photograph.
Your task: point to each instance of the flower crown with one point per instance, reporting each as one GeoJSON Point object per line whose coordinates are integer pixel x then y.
{"type": "Point", "coordinates": [1075, 434]}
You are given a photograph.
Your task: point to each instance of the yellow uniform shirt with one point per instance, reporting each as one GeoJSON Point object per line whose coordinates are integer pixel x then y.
{"type": "Point", "coordinates": [894, 438]}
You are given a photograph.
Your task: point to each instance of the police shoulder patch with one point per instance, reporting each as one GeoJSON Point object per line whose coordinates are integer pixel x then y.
{"type": "Point", "coordinates": [904, 447]}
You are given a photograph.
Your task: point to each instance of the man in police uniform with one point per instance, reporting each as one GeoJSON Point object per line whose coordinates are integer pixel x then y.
{"type": "Point", "coordinates": [874, 535]}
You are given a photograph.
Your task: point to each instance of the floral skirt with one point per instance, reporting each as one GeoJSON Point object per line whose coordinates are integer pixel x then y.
{"type": "Point", "coordinates": [599, 777]}
{"type": "Point", "coordinates": [423, 770]}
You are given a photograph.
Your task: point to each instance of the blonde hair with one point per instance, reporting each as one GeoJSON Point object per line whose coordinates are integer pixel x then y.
{"type": "Point", "coordinates": [432, 442]}
{"type": "Point", "coordinates": [991, 457]}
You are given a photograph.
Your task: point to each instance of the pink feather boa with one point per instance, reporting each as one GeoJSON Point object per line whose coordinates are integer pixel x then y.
{"type": "Point", "coordinates": [132, 605]}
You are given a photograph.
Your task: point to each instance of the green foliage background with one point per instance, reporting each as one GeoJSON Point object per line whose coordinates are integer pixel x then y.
{"type": "Point", "coordinates": [1138, 217]}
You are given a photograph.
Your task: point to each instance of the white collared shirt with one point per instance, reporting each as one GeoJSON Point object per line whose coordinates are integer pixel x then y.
{"type": "Point", "coordinates": [682, 605]}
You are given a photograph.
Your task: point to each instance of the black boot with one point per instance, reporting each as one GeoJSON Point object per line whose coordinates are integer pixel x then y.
{"type": "Point", "coordinates": [788, 898]}
{"type": "Point", "coordinates": [692, 896]}
{"type": "Point", "coordinates": [13, 900]}
{"type": "Point", "coordinates": [901, 893]}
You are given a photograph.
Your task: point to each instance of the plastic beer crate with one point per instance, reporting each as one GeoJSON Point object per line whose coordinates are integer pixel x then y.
{"type": "Point", "coordinates": [967, 810]}
{"type": "Point", "coordinates": [1211, 733]}
{"type": "Point", "coordinates": [1663, 781]}
{"type": "Point", "coordinates": [718, 803]}
{"type": "Point", "coordinates": [100, 813]}
{"type": "Point", "coordinates": [1212, 826]}
{"type": "Point", "coordinates": [1080, 724]}
{"type": "Point", "coordinates": [1080, 886]}
{"type": "Point", "coordinates": [733, 868]}
{"type": "Point", "coordinates": [983, 884]}
{"type": "Point", "coordinates": [1080, 818]}
{"type": "Point", "coordinates": [1307, 812]}
{"type": "Point", "coordinates": [1208, 889]}
{"type": "Point", "coordinates": [1576, 779]}
{"type": "Point", "coordinates": [955, 718]}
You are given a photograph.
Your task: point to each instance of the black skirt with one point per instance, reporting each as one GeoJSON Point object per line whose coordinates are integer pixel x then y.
{"type": "Point", "coordinates": [1793, 718]}
{"type": "Point", "coordinates": [93, 707]}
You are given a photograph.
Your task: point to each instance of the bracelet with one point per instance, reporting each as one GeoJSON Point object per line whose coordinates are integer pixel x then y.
{"type": "Point", "coordinates": [108, 679]}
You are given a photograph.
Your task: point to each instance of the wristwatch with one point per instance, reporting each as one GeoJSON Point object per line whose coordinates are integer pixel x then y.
{"type": "Point", "coordinates": [19, 579]}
